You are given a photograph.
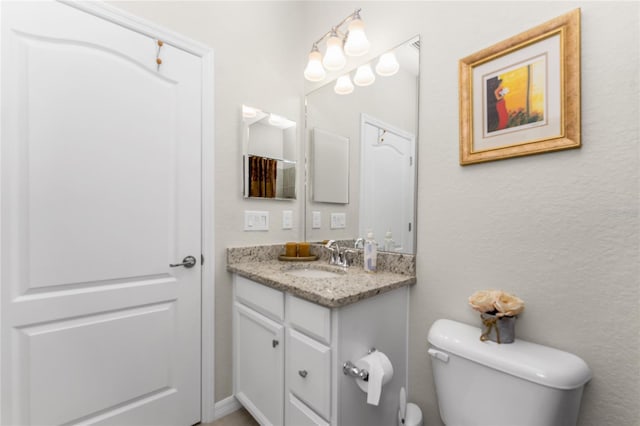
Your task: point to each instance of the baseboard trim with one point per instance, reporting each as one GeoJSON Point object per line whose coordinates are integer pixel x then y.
{"type": "Point", "coordinates": [225, 407]}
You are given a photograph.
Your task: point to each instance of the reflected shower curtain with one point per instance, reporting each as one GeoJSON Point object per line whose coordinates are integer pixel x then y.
{"type": "Point", "coordinates": [263, 173]}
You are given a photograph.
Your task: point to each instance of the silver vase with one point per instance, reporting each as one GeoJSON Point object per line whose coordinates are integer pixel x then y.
{"type": "Point", "coordinates": [498, 329]}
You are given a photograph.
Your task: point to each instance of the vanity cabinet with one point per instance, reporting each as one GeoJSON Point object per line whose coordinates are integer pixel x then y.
{"type": "Point", "coordinates": [288, 355]}
{"type": "Point", "coordinates": [259, 350]}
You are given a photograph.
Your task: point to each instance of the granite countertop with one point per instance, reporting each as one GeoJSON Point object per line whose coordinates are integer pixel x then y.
{"type": "Point", "coordinates": [353, 283]}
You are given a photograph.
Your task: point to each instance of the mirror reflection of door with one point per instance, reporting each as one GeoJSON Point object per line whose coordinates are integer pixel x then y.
{"type": "Point", "coordinates": [387, 183]}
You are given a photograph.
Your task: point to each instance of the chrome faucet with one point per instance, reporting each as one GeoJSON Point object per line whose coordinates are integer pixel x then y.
{"type": "Point", "coordinates": [334, 252]}
{"type": "Point", "coordinates": [359, 243]}
{"type": "Point", "coordinates": [339, 255]}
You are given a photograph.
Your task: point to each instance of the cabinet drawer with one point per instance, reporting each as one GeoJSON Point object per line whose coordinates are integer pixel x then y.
{"type": "Point", "coordinates": [309, 372]}
{"type": "Point", "coordinates": [310, 318]}
{"type": "Point", "coordinates": [299, 414]}
{"type": "Point", "coordinates": [263, 299]}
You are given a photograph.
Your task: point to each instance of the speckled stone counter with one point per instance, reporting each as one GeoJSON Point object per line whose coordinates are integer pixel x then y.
{"type": "Point", "coordinates": [352, 284]}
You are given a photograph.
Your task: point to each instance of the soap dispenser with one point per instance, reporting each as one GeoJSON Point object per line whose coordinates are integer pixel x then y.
{"type": "Point", "coordinates": [370, 253]}
{"type": "Point", "coordinates": [389, 244]}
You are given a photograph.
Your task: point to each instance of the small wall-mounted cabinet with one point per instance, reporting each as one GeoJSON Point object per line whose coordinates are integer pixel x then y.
{"type": "Point", "coordinates": [288, 356]}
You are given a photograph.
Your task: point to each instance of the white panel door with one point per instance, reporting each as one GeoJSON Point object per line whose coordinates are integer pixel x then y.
{"type": "Point", "coordinates": [100, 179]}
{"type": "Point", "coordinates": [387, 183]}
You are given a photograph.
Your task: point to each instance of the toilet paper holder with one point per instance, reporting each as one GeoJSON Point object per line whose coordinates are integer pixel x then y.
{"type": "Point", "coordinates": [349, 369]}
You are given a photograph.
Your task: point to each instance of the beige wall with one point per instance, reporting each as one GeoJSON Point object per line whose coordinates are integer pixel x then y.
{"type": "Point", "coordinates": [560, 230]}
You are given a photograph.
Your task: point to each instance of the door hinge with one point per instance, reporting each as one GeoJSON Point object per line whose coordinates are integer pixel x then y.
{"type": "Point", "coordinates": [202, 259]}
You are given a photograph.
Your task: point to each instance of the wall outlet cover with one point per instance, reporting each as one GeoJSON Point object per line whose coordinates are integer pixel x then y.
{"type": "Point", "coordinates": [316, 220]}
{"type": "Point", "coordinates": [287, 219]}
{"type": "Point", "coordinates": [338, 220]}
{"type": "Point", "coordinates": [256, 220]}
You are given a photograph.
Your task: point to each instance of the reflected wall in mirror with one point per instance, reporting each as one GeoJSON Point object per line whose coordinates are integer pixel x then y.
{"type": "Point", "coordinates": [269, 155]}
{"type": "Point", "coordinates": [381, 122]}
{"type": "Point", "coordinates": [329, 181]}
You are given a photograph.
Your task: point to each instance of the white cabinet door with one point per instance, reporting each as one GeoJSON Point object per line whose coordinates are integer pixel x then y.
{"type": "Point", "coordinates": [259, 365]}
{"type": "Point", "coordinates": [100, 174]}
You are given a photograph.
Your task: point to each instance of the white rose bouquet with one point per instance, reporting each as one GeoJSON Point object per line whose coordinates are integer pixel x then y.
{"type": "Point", "coordinates": [496, 302]}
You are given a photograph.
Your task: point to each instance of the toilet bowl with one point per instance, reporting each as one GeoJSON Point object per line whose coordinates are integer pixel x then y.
{"type": "Point", "coordinates": [486, 383]}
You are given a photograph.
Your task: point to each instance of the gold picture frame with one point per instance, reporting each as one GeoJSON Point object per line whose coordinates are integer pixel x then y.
{"type": "Point", "coordinates": [522, 96]}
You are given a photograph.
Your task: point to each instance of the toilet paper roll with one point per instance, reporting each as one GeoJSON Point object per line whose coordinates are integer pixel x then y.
{"type": "Point", "coordinates": [380, 372]}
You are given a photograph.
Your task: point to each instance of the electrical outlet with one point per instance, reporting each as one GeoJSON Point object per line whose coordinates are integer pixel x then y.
{"type": "Point", "coordinates": [256, 220]}
{"type": "Point", "coordinates": [338, 220]}
{"type": "Point", "coordinates": [316, 220]}
{"type": "Point", "coordinates": [287, 219]}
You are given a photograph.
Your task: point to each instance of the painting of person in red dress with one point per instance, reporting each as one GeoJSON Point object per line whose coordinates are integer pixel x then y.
{"type": "Point", "coordinates": [497, 115]}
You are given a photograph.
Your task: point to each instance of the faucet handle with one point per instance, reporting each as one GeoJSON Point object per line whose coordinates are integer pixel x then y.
{"type": "Point", "coordinates": [348, 254]}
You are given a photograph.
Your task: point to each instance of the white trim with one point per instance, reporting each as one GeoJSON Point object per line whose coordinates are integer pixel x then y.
{"type": "Point", "coordinates": [225, 407]}
{"type": "Point", "coordinates": [207, 406]}
{"type": "Point", "coordinates": [139, 25]}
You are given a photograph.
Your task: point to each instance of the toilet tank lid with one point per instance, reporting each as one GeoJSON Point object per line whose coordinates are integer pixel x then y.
{"type": "Point", "coordinates": [529, 361]}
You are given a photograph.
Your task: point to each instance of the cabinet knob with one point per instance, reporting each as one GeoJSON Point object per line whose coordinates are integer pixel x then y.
{"type": "Point", "coordinates": [274, 343]}
{"type": "Point", "coordinates": [303, 373]}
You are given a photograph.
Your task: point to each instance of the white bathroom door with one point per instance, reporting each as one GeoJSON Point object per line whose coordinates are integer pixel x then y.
{"type": "Point", "coordinates": [387, 183]}
{"type": "Point", "coordinates": [100, 178]}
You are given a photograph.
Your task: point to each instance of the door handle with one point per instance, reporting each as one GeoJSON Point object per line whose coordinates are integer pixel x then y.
{"type": "Point", "coordinates": [187, 262]}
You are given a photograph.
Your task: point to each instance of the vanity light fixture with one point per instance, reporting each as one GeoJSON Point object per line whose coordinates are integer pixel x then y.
{"type": "Point", "coordinates": [357, 43]}
{"type": "Point", "coordinates": [354, 41]}
{"type": "Point", "coordinates": [343, 85]}
{"type": "Point", "coordinates": [387, 64]}
{"type": "Point", "coordinates": [314, 70]}
{"type": "Point", "coordinates": [334, 58]}
{"type": "Point", "coordinates": [364, 76]}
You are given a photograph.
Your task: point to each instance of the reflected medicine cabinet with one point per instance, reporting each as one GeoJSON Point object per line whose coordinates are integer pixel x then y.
{"type": "Point", "coordinates": [269, 155]}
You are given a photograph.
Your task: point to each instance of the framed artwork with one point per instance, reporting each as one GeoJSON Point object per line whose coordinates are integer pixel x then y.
{"type": "Point", "coordinates": [522, 96]}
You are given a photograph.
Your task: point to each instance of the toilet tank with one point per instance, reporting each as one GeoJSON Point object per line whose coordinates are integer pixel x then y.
{"type": "Point", "coordinates": [516, 384]}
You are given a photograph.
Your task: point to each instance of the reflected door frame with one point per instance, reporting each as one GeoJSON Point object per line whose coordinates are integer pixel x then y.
{"type": "Point", "coordinates": [410, 233]}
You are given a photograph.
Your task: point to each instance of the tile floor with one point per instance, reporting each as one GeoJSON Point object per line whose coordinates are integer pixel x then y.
{"type": "Point", "coordinates": [237, 418]}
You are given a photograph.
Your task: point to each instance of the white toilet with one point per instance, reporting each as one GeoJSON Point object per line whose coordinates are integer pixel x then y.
{"type": "Point", "coordinates": [517, 384]}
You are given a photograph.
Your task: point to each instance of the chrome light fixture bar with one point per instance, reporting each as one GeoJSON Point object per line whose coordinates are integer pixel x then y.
{"type": "Point", "coordinates": [353, 42]}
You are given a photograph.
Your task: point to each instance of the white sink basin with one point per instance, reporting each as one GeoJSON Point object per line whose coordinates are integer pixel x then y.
{"type": "Point", "coordinates": [313, 273]}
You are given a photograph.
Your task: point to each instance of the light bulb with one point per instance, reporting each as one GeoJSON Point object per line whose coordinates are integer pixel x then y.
{"type": "Point", "coordinates": [314, 70]}
{"type": "Point", "coordinates": [357, 43]}
{"type": "Point", "coordinates": [343, 85]}
{"type": "Point", "coordinates": [364, 75]}
{"type": "Point", "coordinates": [334, 58]}
{"type": "Point", "coordinates": [387, 65]}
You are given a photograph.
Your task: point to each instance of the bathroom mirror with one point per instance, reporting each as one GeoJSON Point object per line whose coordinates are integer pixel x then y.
{"type": "Point", "coordinates": [380, 123]}
{"type": "Point", "coordinates": [269, 155]}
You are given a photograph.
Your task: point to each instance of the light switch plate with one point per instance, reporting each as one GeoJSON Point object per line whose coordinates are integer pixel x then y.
{"type": "Point", "coordinates": [287, 219]}
{"type": "Point", "coordinates": [338, 220]}
{"type": "Point", "coordinates": [316, 220]}
{"type": "Point", "coordinates": [256, 220]}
